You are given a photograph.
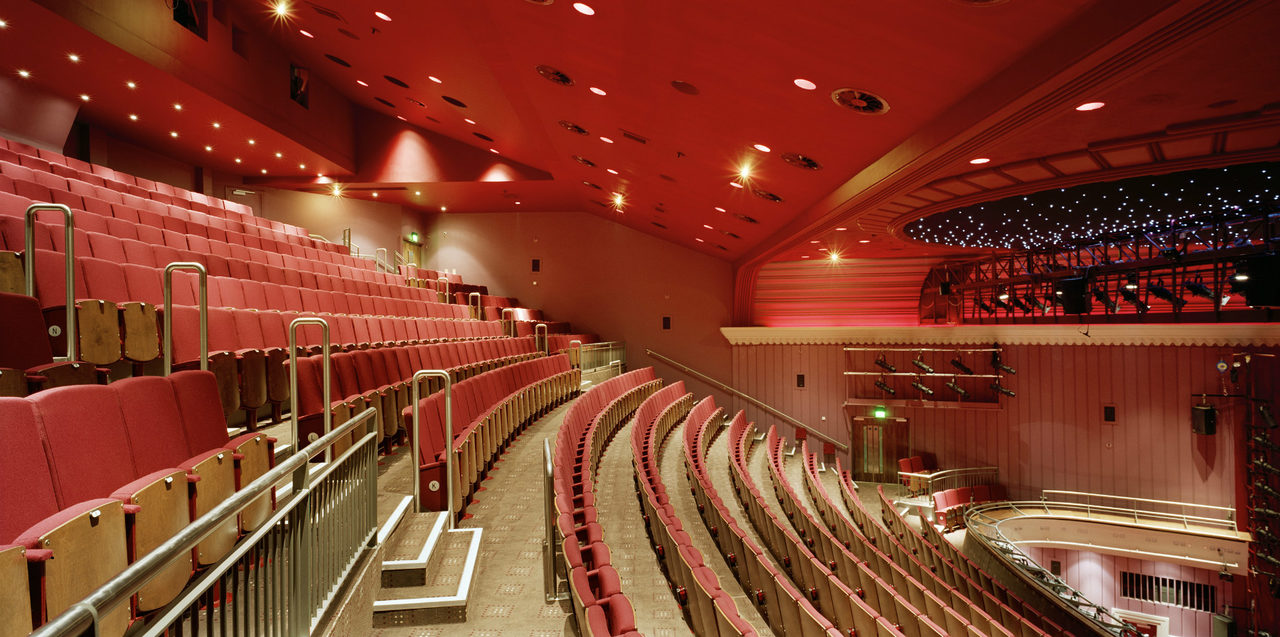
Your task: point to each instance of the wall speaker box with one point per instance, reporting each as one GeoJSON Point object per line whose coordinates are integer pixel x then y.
{"type": "Point", "coordinates": [1074, 295]}
{"type": "Point", "coordinates": [1263, 287]}
{"type": "Point", "coordinates": [1204, 420]}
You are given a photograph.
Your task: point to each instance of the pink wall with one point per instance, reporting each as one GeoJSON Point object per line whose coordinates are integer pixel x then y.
{"type": "Point", "coordinates": [1051, 435]}
{"type": "Point", "coordinates": [851, 291]}
{"type": "Point", "coordinates": [603, 277]}
{"type": "Point", "coordinates": [34, 117]}
{"type": "Point", "coordinates": [1097, 576]}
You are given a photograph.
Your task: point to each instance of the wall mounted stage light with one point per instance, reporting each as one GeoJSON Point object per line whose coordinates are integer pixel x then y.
{"type": "Point", "coordinates": [1018, 303]}
{"type": "Point", "coordinates": [1131, 298]}
{"type": "Point", "coordinates": [999, 364]}
{"type": "Point", "coordinates": [1131, 281]}
{"type": "Point", "coordinates": [1265, 410]}
{"type": "Point", "coordinates": [955, 362]}
{"type": "Point", "coordinates": [885, 365]}
{"type": "Point", "coordinates": [884, 387]}
{"type": "Point", "coordinates": [1105, 299]}
{"type": "Point", "coordinates": [922, 365]}
{"type": "Point", "coordinates": [1034, 301]}
{"type": "Point", "coordinates": [1198, 288]}
{"type": "Point", "coordinates": [924, 389]}
{"type": "Point", "coordinates": [1002, 302]}
{"type": "Point", "coordinates": [1000, 389]}
{"type": "Point", "coordinates": [982, 305]}
{"type": "Point", "coordinates": [951, 384]}
{"type": "Point", "coordinates": [1164, 294]}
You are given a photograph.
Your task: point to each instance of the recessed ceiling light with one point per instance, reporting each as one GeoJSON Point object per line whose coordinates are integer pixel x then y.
{"type": "Point", "coordinates": [302, 166]}
{"type": "Point", "coordinates": [835, 256]}
{"type": "Point", "coordinates": [362, 83]}
{"type": "Point", "coordinates": [470, 121]}
{"type": "Point", "coordinates": [281, 8]}
{"type": "Point", "coordinates": [375, 195]}
{"type": "Point", "coordinates": [804, 256]}
{"type": "Point", "coordinates": [24, 74]}
{"type": "Point", "coordinates": [417, 193]}
{"type": "Point", "coordinates": [762, 148]}
{"type": "Point", "coordinates": [217, 125]}
{"type": "Point", "coordinates": [73, 57]}
{"type": "Point", "coordinates": [813, 241]}
{"type": "Point", "coordinates": [237, 160]}
{"type": "Point", "coordinates": [208, 148]}
{"type": "Point", "coordinates": [493, 150]}
{"type": "Point", "coordinates": [744, 171]}
{"type": "Point", "coordinates": [84, 97]}
{"type": "Point", "coordinates": [1090, 106]}
{"type": "Point", "coordinates": [133, 116]}
{"type": "Point", "coordinates": [279, 155]}
{"type": "Point", "coordinates": [305, 33]}
{"type": "Point", "coordinates": [611, 171]}
{"type": "Point", "coordinates": [606, 140]}
{"type": "Point", "coordinates": [719, 209]}
{"type": "Point", "coordinates": [707, 227]}
{"type": "Point", "coordinates": [173, 133]}
{"type": "Point", "coordinates": [735, 184]}
{"type": "Point", "coordinates": [131, 85]}
{"type": "Point", "coordinates": [841, 229]}
{"type": "Point", "coordinates": [3, 24]}
{"type": "Point", "coordinates": [251, 142]}
{"type": "Point", "coordinates": [864, 241]}
{"type": "Point", "coordinates": [517, 203]}
{"type": "Point", "coordinates": [444, 209]}
{"type": "Point", "coordinates": [382, 16]}
{"type": "Point", "coordinates": [401, 118]}
{"type": "Point", "coordinates": [264, 171]}
{"type": "Point", "coordinates": [805, 84]}
{"type": "Point", "coordinates": [597, 91]}
{"type": "Point", "coordinates": [698, 240]}
{"type": "Point", "coordinates": [177, 107]}
{"type": "Point", "coordinates": [979, 160]}
{"type": "Point", "coordinates": [583, 8]}
{"type": "Point", "coordinates": [435, 79]}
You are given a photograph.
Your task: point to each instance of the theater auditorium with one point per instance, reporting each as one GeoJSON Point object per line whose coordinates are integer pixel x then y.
{"type": "Point", "coordinates": [544, 318]}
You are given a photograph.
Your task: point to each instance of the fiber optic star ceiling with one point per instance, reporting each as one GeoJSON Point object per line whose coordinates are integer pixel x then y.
{"type": "Point", "coordinates": [1066, 216]}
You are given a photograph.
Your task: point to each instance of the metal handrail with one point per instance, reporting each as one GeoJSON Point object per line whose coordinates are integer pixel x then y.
{"type": "Point", "coordinates": [448, 437]}
{"type": "Point", "coordinates": [578, 362]}
{"type": "Point", "coordinates": [1138, 515]}
{"type": "Point", "coordinates": [754, 401]}
{"type": "Point", "coordinates": [346, 237]}
{"type": "Point", "coordinates": [946, 474]}
{"type": "Point", "coordinates": [82, 617]}
{"type": "Point", "coordinates": [28, 264]}
{"type": "Point", "coordinates": [540, 340]}
{"type": "Point", "coordinates": [476, 311]}
{"type": "Point", "coordinates": [445, 280]}
{"type": "Point", "coordinates": [1230, 510]}
{"type": "Point", "coordinates": [922, 349]}
{"type": "Point", "coordinates": [510, 322]}
{"type": "Point", "coordinates": [293, 377]}
{"type": "Point", "coordinates": [203, 311]}
{"type": "Point", "coordinates": [550, 547]}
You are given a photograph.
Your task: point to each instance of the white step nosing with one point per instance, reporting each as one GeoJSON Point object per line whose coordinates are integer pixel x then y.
{"type": "Point", "coordinates": [420, 562]}
{"type": "Point", "coordinates": [393, 522]}
{"type": "Point", "coordinates": [466, 582]}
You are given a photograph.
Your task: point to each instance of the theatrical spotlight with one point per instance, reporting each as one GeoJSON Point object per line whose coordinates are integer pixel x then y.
{"type": "Point", "coordinates": [1034, 301]}
{"type": "Point", "coordinates": [1267, 416]}
{"type": "Point", "coordinates": [922, 365]}
{"type": "Point", "coordinates": [1002, 301]}
{"type": "Point", "coordinates": [1266, 466]}
{"type": "Point", "coordinates": [951, 384]}
{"type": "Point", "coordinates": [1265, 442]}
{"type": "Point", "coordinates": [1131, 298]}
{"type": "Point", "coordinates": [884, 387]}
{"type": "Point", "coordinates": [985, 307]}
{"type": "Point", "coordinates": [998, 388]}
{"type": "Point", "coordinates": [924, 389]}
{"type": "Point", "coordinates": [885, 365]}
{"type": "Point", "coordinates": [1164, 294]}
{"type": "Point", "coordinates": [1131, 281]}
{"type": "Point", "coordinates": [955, 362]}
{"type": "Point", "coordinates": [1265, 488]}
{"type": "Point", "coordinates": [1018, 303]}
{"type": "Point", "coordinates": [1198, 288]}
{"type": "Point", "coordinates": [999, 364]}
{"type": "Point", "coordinates": [1102, 297]}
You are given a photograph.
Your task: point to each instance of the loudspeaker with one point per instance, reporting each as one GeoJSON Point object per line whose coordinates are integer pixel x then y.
{"type": "Point", "coordinates": [1204, 420]}
{"type": "Point", "coordinates": [1074, 295]}
{"type": "Point", "coordinates": [1262, 288]}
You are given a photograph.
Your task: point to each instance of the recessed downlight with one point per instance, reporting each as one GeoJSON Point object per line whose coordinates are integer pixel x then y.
{"type": "Point", "coordinates": [435, 79]}
{"type": "Point", "coordinates": [719, 209]}
{"type": "Point", "coordinates": [131, 84]}
{"type": "Point", "coordinates": [762, 148]}
{"type": "Point", "coordinates": [264, 171]}
{"type": "Point", "coordinates": [238, 160]}
{"type": "Point", "coordinates": [804, 84]}
{"type": "Point", "coordinates": [173, 133]}
{"type": "Point", "coordinates": [841, 229]}
{"type": "Point", "coordinates": [177, 107]}
{"type": "Point", "coordinates": [553, 74]}
{"type": "Point", "coordinates": [1090, 106]}
{"type": "Point", "coordinates": [279, 155]}
{"type": "Point", "coordinates": [470, 121]}
{"type": "Point", "coordinates": [133, 117]}
{"type": "Point", "coordinates": [305, 33]}
{"type": "Point", "coordinates": [73, 57]}
{"type": "Point", "coordinates": [4, 24]}
{"type": "Point", "coordinates": [735, 184]}
{"type": "Point", "coordinates": [583, 8]}
{"type": "Point", "coordinates": [382, 16]}
{"type": "Point", "coordinates": [611, 171]}
{"type": "Point", "coordinates": [597, 91]}
{"type": "Point", "coordinates": [217, 125]}
{"type": "Point", "coordinates": [979, 160]}
{"type": "Point", "coordinates": [24, 74]}
{"type": "Point", "coordinates": [252, 142]}
{"type": "Point", "coordinates": [280, 8]}
{"type": "Point", "coordinates": [453, 100]}
{"type": "Point", "coordinates": [208, 148]}
{"type": "Point", "coordinates": [84, 97]}
{"type": "Point", "coordinates": [864, 241]}
{"type": "Point", "coordinates": [494, 151]}
{"type": "Point", "coordinates": [362, 83]}
{"type": "Point", "coordinates": [606, 140]}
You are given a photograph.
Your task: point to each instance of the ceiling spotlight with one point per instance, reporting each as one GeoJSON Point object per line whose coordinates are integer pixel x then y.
{"type": "Point", "coordinates": [4, 24]}
{"type": "Point", "coordinates": [1164, 294]}
{"type": "Point", "coordinates": [762, 148]}
{"type": "Point", "coordinates": [84, 97]}
{"type": "Point", "coordinates": [921, 365]}
{"type": "Point", "coordinates": [964, 369]}
{"type": "Point", "coordinates": [1090, 106]}
{"type": "Point", "coordinates": [835, 256]}
{"type": "Point", "coordinates": [133, 117]}
{"type": "Point", "coordinates": [264, 171]}
{"type": "Point", "coordinates": [208, 148]}
{"type": "Point", "coordinates": [1105, 299]}
{"type": "Point", "coordinates": [1131, 298]}
{"type": "Point", "coordinates": [470, 121]}
{"type": "Point", "coordinates": [841, 229]}
{"type": "Point", "coordinates": [1002, 302]}
{"type": "Point", "coordinates": [979, 160]}
{"type": "Point", "coordinates": [735, 184]}
{"type": "Point", "coordinates": [281, 9]}
{"type": "Point", "coordinates": [951, 384]}
{"type": "Point", "coordinates": [618, 201]}
{"type": "Point", "coordinates": [375, 194]}
{"type": "Point", "coordinates": [583, 8]}
{"type": "Point", "coordinates": [719, 209]}
{"type": "Point", "coordinates": [884, 364]}
{"type": "Point", "coordinates": [606, 140]}
{"type": "Point", "coordinates": [864, 241]}
{"type": "Point", "coordinates": [1198, 288]}
{"type": "Point", "coordinates": [24, 74]}
{"type": "Point", "coordinates": [302, 166]}
{"type": "Point", "coordinates": [443, 209]}
{"type": "Point", "coordinates": [744, 172]}
{"type": "Point", "coordinates": [238, 160]}
{"type": "Point", "coordinates": [805, 84]}
{"type": "Point", "coordinates": [337, 190]}
{"type": "Point", "coordinates": [177, 107]}
{"type": "Point", "coordinates": [597, 91]}
{"type": "Point", "coordinates": [279, 155]}
{"type": "Point", "coordinates": [494, 151]}
{"type": "Point", "coordinates": [1018, 303]}
{"type": "Point", "coordinates": [1034, 301]}
{"type": "Point", "coordinates": [924, 389]}
{"type": "Point", "coordinates": [173, 133]}
{"type": "Point", "coordinates": [382, 16]}
{"type": "Point", "coordinates": [437, 81]}
{"type": "Point", "coordinates": [417, 193]}
{"type": "Point", "coordinates": [131, 84]}
{"type": "Point", "coordinates": [305, 33]}
{"type": "Point", "coordinates": [217, 125]}
{"type": "Point", "coordinates": [1000, 389]}
{"type": "Point", "coordinates": [884, 387]}
{"type": "Point", "coordinates": [611, 171]}
{"type": "Point", "coordinates": [252, 142]}
{"type": "Point", "coordinates": [997, 363]}
{"type": "Point", "coordinates": [1131, 281]}
{"type": "Point", "coordinates": [73, 57]}
{"type": "Point", "coordinates": [986, 307]}
{"type": "Point", "coordinates": [362, 83]}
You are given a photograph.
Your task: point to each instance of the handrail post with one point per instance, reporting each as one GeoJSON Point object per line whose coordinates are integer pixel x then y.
{"type": "Point", "coordinates": [29, 256]}
{"type": "Point", "coordinates": [346, 237]}
{"type": "Point", "coordinates": [168, 313]}
{"type": "Point", "coordinates": [550, 548]}
{"type": "Point", "coordinates": [540, 339]}
{"type": "Point", "coordinates": [293, 379]}
{"type": "Point", "coordinates": [509, 323]}
{"type": "Point", "coordinates": [448, 437]}
{"type": "Point", "coordinates": [577, 363]}
{"type": "Point", "coordinates": [476, 312]}
{"type": "Point", "coordinates": [445, 292]}
{"type": "Point", "coordinates": [380, 259]}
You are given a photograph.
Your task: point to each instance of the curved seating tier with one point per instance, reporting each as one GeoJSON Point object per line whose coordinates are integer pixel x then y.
{"type": "Point", "coordinates": [949, 505]}
{"type": "Point", "coordinates": [709, 610]}
{"type": "Point", "coordinates": [97, 476]}
{"type": "Point", "coordinates": [600, 606]}
{"type": "Point", "coordinates": [793, 607]}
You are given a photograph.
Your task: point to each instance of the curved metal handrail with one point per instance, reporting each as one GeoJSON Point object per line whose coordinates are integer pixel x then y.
{"type": "Point", "coordinates": [69, 250]}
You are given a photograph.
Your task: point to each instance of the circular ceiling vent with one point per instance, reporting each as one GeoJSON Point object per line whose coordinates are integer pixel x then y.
{"type": "Point", "coordinates": [684, 87]}
{"type": "Point", "coordinates": [801, 161]}
{"type": "Point", "coordinates": [385, 102]}
{"type": "Point", "coordinates": [337, 60]}
{"type": "Point", "coordinates": [659, 208]}
{"type": "Point", "coordinates": [483, 136]}
{"type": "Point", "coordinates": [722, 247]}
{"type": "Point", "coordinates": [980, 3]}
{"type": "Point", "coordinates": [667, 177]}
{"type": "Point", "coordinates": [573, 128]}
{"type": "Point", "coordinates": [864, 102]}
{"type": "Point", "coordinates": [395, 80]}
{"type": "Point", "coordinates": [745, 218]}
{"type": "Point", "coordinates": [555, 75]}
{"type": "Point", "coordinates": [541, 2]}
{"type": "Point", "coordinates": [348, 33]}
{"type": "Point", "coordinates": [766, 195]}
{"type": "Point", "coordinates": [730, 234]}
{"type": "Point", "coordinates": [591, 185]}
{"type": "Point", "coordinates": [584, 161]}
{"type": "Point", "coordinates": [453, 100]}
{"type": "Point", "coordinates": [416, 102]}
{"type": "Point", "coordinates": [658, 224]}
{"type": "Point", "coordinates": [432, 119]}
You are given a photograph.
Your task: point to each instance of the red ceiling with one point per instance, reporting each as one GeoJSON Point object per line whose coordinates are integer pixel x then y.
{"type": "Point", "coordinates": [961, 79]}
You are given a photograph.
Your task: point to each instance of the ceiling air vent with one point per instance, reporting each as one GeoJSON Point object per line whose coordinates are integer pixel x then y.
{"type": "Point", "coordinates": [348, 33]}
{"type": "Point", "coordinates": [684, 87]}
{"type": "Point", "coordinates": [730, 234]}
{"type": "Point", "coordinates": [327, 12]}
{"type": "Point", "coordinates": [337, 60]}
{"type": "Point", "coordinates": [397, 81]}
{"type": "Point", "coordinates": [591, 185]}
{"type": "Point", "coordinates": [658, 224]}
{"type": "Point", "coordinates": [453, 100]}
{"type": "Point", "coordinates": [864, 102]}
{"type": "Point", "coordinates": [555, 75]}
{"type": "Point", "coordinates": [668, 178]}
{"type": "Point", "coordinates": [766, 195]}
{"type": "Point", "coordinates": [745, 218]}
{"type": "Point", "coordinates": [385, 102]}
{"type": "Point", "coordinates": [633, 137]}
{"type": "Point", "coordinates": [483, 136]}
{"type": "Point", "coordinates": [801, 161]}
{"type": "Point", "coordinates": [416, 102]}
{"type": "Point", "coordinates": [573, 128]}
{"type": "Point", "coordinates": [584, 161]}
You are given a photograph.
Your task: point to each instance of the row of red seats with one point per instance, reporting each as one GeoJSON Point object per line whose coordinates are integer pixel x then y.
{"type": "Point", "coordinates": [380, 378]}
{"type": "Point", "coordinates": [786, 547]}
{"type": "Point", "coordinates": [846, 585]}
{"type": "Point", "coordinates": [709, 610]}
{"type": "Point", "coordinates": [602, 610]}
{"type": "Point", "coordinates": [949, 505]}
{"type": "Point", "coordinates": [96, 477]}
{"type": "Point", "coordinates": [516, 313]}
{"type": "Point", "coordinates": [986, 598]}
{"type": "Point", "coordinates": [913, 464]}
{"type": "Point", "coordinates": [486, 300]}
{"type": "Point", "coordinates": [488, 411]}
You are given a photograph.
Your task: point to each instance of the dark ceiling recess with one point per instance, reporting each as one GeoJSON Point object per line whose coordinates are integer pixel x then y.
{"type": "Point", "coordinates": [395, 80]}
{"type": "Point", "coordinates": [633, 137]}
{"type": "Point", "coordinates": [668, 178]}
{"type": "Point", "coordinates": [327, 12]}
{"type": "Point", "coordinates": [453, 100]}
{"type": "Point", "coordinates": [584, 161]}
{"type": "Point", "coordinates": [337, 60]}
{"type": "Point", "coordinates": [801, 161]}
{"type": "Point", "coordinates": [555, 75]}
{"type": "Point", "coordinates": [573, 128]}
{"type": "Point", "coordinates": [483, 136]}
{"type": "Point", "coordinates": [348, 33]}
{"type": "Point", "coordinates": [864, 102]}
{"type": "Point", "coordinates": [658, 224]}
{"type": "Point", "coordinates": [591, 185]}
{"type": "Point", "coordinates": [684, 87]}
{"type": "Point", "coordinates": [766, 195]}
{"type": "Point", "coordinates": [416, 102]}
{"type": "Point", "coordinates": [745, 218]}
{"type": "Point", "coordinates": [385, 102]}
{"type": "Point", "coordinates": [541, 2]}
